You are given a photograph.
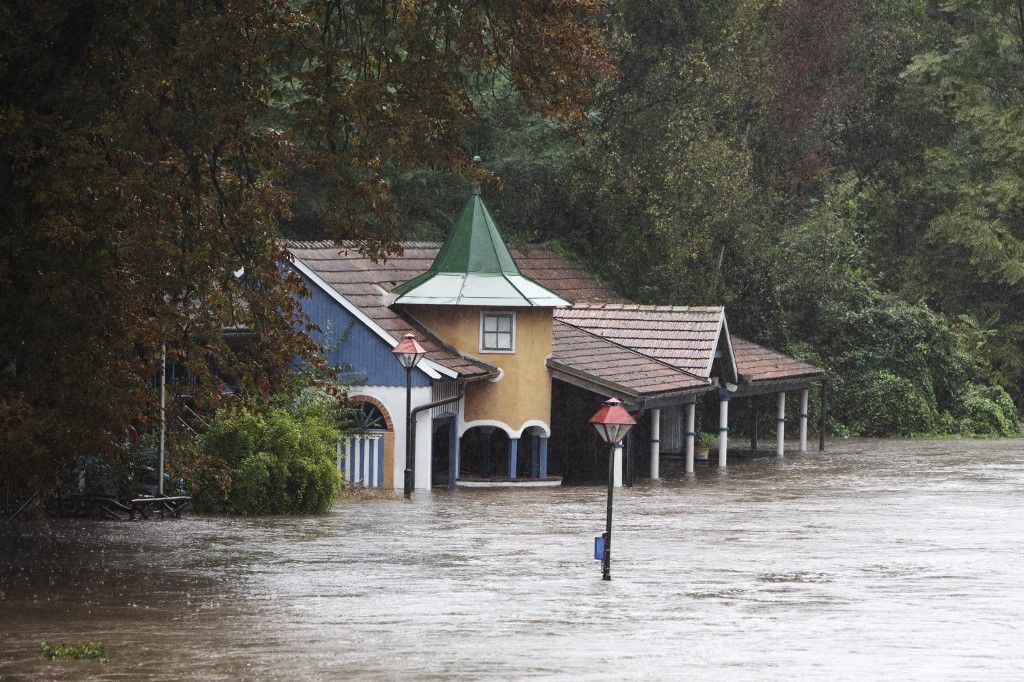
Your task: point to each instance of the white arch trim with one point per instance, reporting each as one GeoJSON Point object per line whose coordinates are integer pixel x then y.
{"type": "Point", "coordinates": [512, 433]}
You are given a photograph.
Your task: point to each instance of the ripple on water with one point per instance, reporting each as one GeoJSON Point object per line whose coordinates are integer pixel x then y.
{"type": "Point", "coordinates": [875, 560]}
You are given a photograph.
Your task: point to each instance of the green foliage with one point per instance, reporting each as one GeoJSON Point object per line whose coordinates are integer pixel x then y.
{"type": "Point", "coordinates": [150, 151]}
{"type": "Point", "coordinates": [279, 462]}
{"type": "Point", "coordinates": [846, 177]}
{"type": "Point", "coordinates": [73, 652]}
{"type": "Point", "coordinates": [986, 411]}
{"type": "Point", "coordinates": [881, 403]}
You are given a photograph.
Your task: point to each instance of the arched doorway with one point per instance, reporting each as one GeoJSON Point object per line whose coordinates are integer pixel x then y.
{"type": "Point", "coordinates": [366, 458]}
{"type": "Point", "coordinates": [444, 456]}
{"type": "Point", "coordinates": [483, 453]}
{"type": "Point", "coordinates": [533, 457]}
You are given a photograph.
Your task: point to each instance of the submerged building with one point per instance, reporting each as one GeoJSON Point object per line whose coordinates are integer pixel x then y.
{"type": "Point", "coordinates": [521, 347]}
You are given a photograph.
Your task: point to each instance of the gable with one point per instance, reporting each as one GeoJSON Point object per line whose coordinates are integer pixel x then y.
{"type": "Point", "coordinates": [350, 345]}
{"type": "Point", "coordinates": [684, 337]}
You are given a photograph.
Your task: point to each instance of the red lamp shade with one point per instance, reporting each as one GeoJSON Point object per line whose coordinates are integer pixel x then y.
{"type": "Point", "coordinates": [409, 351]}
{"type": "Point", "coordinates": [612, 421]}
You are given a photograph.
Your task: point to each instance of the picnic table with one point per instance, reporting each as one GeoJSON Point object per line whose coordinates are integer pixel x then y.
{"type": "Point", "coordinates": [145, 507]}
{"type": "Point", "coordinates": [107, 507]}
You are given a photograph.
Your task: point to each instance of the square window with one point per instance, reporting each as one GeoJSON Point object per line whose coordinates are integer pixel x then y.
{"type": "Point", "coordinates": [497, 332]}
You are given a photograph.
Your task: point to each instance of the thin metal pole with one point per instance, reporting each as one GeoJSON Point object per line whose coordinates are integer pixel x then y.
{"type": "Point", "coordinates": [606, 566]}
{"type": "Point", "coordinates": [409, 463]}
{"type": "Point", "coordinates": [163, 415]}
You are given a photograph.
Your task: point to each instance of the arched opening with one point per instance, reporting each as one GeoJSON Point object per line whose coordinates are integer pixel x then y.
{"type": "Point", "coordinates": [533, 453]}
{"type": "Point", "coordinates": [484, 453]}
{"type": "Point", "coordinates": [366, 458]}
{"type": "Point", "coordinates": [444, 460]}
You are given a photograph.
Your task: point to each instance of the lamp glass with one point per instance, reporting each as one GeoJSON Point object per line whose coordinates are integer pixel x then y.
{"type": "Point", "coordinates": [409, 352]}
{"type": "Point", "coordinates": [613, 433]}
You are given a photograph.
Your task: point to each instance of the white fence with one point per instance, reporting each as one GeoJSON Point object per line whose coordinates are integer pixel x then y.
{"type": "Point", "coordinates": [361, 459]}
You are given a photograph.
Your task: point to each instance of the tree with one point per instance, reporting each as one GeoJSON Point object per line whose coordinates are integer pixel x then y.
{"type": "Point", "coordinates": [149, 152]}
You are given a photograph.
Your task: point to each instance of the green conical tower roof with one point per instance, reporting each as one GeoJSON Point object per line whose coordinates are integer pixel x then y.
{"type": "Point", "coordinates": [474, 267]}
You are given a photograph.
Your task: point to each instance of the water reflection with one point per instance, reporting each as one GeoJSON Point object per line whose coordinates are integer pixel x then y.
{"type": "Point", "coordinates": [896, 560]}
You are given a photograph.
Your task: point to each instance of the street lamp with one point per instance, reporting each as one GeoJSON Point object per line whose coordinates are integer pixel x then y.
{"type": "Point", "coordinates": [612, 423]}
{"type": "Point", "coordinates": [409, 353]}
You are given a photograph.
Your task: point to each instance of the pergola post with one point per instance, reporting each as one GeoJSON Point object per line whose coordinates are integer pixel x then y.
{"type": "Point", "coordinates": [629, 471]}
{"type": "Point", "coordinates": [691, 434]}
{"type": "Point", "coordinates": [723, 427]}
{"type": "Point", "coordinates": [803, 419]}
{"type": "Point", "coordinates": [617, 466]}
{"type": "Point", "coordinates": [780, 431]}
{"type": "Point", "coordinates": [655, 443]}
{"type": "Point", "coordinates": [753, 425]}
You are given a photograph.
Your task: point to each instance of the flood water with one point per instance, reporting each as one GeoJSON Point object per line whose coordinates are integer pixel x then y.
{"type": "Point", "coordinates": [875, 560]}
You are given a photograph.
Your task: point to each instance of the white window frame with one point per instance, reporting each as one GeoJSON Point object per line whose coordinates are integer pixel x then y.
{"type": "Point", "coordinates": [484, 314]}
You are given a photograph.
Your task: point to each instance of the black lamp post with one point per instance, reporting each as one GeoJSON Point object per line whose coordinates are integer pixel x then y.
{"type": "Point", "coordinates": [612, 423]}
{"type": "Point", "coordinates": [409, 353]}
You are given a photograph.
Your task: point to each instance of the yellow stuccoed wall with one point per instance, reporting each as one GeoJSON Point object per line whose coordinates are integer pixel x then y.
{"type": "Point", "coordinates": [524, 392]}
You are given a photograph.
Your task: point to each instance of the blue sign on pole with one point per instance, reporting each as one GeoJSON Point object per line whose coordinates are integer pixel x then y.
{"type": "Point", "coordinates": [599, 547]}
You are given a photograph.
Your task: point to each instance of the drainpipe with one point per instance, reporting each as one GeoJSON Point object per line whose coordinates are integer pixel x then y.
{"type": "Point", "coordinates": [429, 406]}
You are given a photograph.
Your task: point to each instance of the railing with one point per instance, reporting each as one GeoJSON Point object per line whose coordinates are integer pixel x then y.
{"type": "Point", "coordinates": [21, 508]}
{"type": "Point", "coordinates": [361, 459]}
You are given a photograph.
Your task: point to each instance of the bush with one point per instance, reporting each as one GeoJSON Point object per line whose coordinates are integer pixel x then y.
{"type": "Point", "coordinates": [281, 462]}
{"type": "Point", "coordinates": [880, 403]}
{"type": "Point", "coordinates": [986, 411]}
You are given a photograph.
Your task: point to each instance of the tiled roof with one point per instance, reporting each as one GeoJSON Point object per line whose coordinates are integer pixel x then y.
{"type": "Point", "coordinates": [579, 352]}
{"type": "Point", "coordinates": [683, 336]}
{"type": "Point", "coordinates": [561, 275]}
{"type": "Point", "coordinates": [757, 364]}
{"type": "Point", "coordinates": [366, 285]}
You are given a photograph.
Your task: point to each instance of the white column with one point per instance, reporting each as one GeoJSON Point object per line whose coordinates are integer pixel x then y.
{"type": "Point", "coordinates": [372, 482]}
{"type": "Point", "coordinates": [691, 436]}
{"type": "Point", "coordinates": [348, 461]}
{"type": "Point", "coordinates": [723, 430]}
{"type": "Point", "coordinates": [655, 443]}
{"type": "Point", "coordinates": [365, 456]}
{"type": "Point", "coordinates": [780, 430]}
{"type": "Point", "coordinates": [424, 448]}
{"type": "Point", "coordinates": [803, 419]}
{"type": "Point", "coordinates": [617, 467]}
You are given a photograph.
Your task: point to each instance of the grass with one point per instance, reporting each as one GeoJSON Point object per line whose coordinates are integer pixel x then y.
{"type": "Point", "coordinates": [86, 651]}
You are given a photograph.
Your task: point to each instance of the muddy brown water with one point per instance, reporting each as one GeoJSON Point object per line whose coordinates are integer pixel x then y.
{"type": "Point", "coordinates": [875, 560]}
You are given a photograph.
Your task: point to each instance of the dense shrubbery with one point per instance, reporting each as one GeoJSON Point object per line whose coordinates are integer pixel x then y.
{"type": "Point", "coordinates": [986, 411]}
{"type": "Point", "coordinates": [280, 462]}
{"type": "Point", "coordinates": [834, 173]}
{"type": "Point", "coordinates": [881, 403]}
